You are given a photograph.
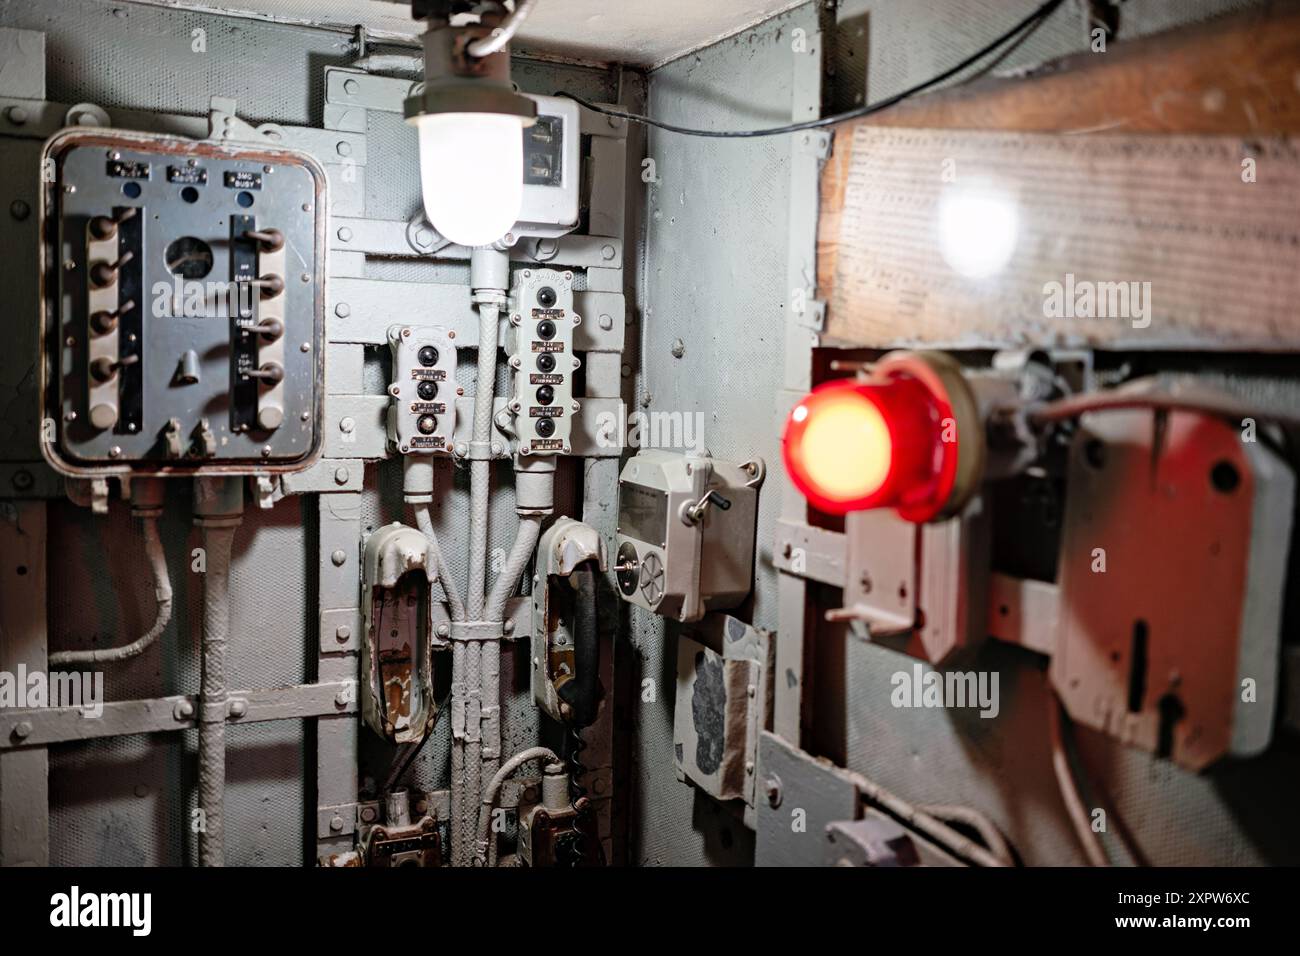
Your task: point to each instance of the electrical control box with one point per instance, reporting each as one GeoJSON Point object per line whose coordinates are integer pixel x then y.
{"type": "Point", "coordinates": [542, 360]}
{"type": "Point", "coordinates": [552, 169]}
{"type": "Point", "coordinates": [686, 527]}
{"type": "Point", "coordinates": [182, 296]}
{"type": "Point", "coordinates": [422, 417]}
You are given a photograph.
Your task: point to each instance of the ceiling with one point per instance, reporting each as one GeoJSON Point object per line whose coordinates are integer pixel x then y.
{"type": "Point", "coordinates": [644, 33]}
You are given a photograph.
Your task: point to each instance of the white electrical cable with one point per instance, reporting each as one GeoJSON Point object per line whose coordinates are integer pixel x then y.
{"type": "Point", "coordinates": [978, 822]}
{"type": "Point", "coordinates": [503, 34]}
{"type": "Point", "coordinates": [218, 538]}
{"type": "Point", "coordinates": [458, 795]}
{"type": "Point", "coordinates": [467, 656]}
{"type": "Point", "coordinates": [480, 469]}
{"type": "Point", "coordinates": [424, 521]}
{"type": "Point", "coordinates": [473, 741]}
{"type": "Point", "coordinates": [1074, 806]}
{"type": "Point", "coordinates": [1153, 394]}
{"type": "Point", "coordinates": [494, 787]}
{"type": "Point", "coordinates": [918, 819]}
{"type": "Point", "coordinates": [530, 529]}
{"type": "Point", "coordinates": [153, 549]}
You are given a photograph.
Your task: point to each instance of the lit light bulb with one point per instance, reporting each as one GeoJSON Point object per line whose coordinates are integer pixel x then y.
{"type": "Point", "coordinates": [472, 174]}
{"type": "Point", "coordinates": [978, 229]}
{"type": "Point", "coordinates": [885, 442]}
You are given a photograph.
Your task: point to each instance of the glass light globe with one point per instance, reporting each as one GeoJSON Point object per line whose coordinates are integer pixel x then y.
{"type": "Point", "coordinates": [472, 174]}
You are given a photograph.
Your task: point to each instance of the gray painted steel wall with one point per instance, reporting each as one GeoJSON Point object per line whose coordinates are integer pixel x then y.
{"type": "Point", "coordinates": [126, 801]}
{"type": "Point", "coordinates": [713, 275]}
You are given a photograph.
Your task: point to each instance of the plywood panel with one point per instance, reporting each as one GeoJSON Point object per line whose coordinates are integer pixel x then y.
{"type": "Point", "coordinates": [1237, 76]}
{"type": "Point", "coordinates": [968, 238]}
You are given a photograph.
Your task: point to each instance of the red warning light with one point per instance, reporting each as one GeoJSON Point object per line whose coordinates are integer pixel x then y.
{"type": "Point", "coordinates": [890, 441]}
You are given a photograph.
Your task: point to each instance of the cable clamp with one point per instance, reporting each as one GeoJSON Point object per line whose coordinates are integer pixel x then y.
{"type": "Point", "coordinates": [477, 630]}
{"type": "Point", "coordinates": [483, 451]}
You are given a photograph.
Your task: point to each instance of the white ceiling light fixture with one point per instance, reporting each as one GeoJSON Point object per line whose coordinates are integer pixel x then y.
{"type": "Point", "coordinates": [470, 119]}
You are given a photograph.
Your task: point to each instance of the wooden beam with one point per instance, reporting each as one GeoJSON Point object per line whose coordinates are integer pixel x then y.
{"type": "Point", "coordinates": [1237, 75]}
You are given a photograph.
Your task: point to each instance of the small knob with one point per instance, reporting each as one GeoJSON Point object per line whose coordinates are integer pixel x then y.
{"type": "Point", "coordinates": [271, 240]}
{"type": "Point", "coordinates": [269, 285]}
{"type": "Point", "coordinates": [104, 274]}
{"type": "Point", "coordinates": [103, 416]}
{"type": "Point", "coordinates": [104, 321]}
{"type": "Point", "coordinates": [103, 228]}
{"type": "Point", "coordinates": [270, 417]}
{"type": "Point", "coordinates": [103, 369]}
{"type": "Point", "coordinates": [272, 373]}
{"type": "Point", "coordinates": [172, 438]}
{"type": "Point", "coordinates": [205, 442]}
{"type": "Point", "coordinates": [187, 371]}
{"type": "Point", "coordinates": [269, 329]}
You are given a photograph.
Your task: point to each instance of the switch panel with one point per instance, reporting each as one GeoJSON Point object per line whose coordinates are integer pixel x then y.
{"type": "Point", "coordinates": [183, 305]}
{"type": "Point", "coordinates": [422, 417]}
{"type": "Point", "coordinates": [542, 360]}
{"type": "Point", "coordinates": [552, 169]}
{"type": "Point", "coordinates": [686, 523]}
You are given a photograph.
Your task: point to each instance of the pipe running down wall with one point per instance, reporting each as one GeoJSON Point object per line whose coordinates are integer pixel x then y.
{"type": "Point", "coordinates": [475, 700]}
{"type": "Point", "coordinates": [218, 511]}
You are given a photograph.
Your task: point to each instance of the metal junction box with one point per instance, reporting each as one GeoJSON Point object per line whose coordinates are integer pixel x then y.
{"type": "Point", "coordinates": [182, 297]}
{"type": "Point", "coordinates": [542, 360]}
{"type": "Point", "coordinates": [422, 417]}
{"type": "Point", "coordinates": [686, 532]}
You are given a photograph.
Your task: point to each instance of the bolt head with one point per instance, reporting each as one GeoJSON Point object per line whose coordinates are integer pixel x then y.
{"type": "Point", "coordinates": [23, 730]}
{"type": "Point", "coordinates": [341, 476]}
{"type": "Point", "coordinates": [338, 557]}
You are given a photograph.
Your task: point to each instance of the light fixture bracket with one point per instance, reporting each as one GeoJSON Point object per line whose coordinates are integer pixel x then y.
{"type": "Point", "coordinates": [458, 82]}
